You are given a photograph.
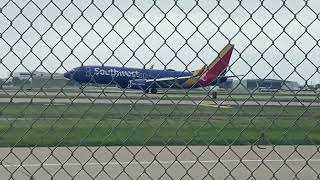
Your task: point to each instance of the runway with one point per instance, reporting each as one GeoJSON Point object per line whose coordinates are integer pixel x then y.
{"type": "Point", "coordinates": [152, 101]}
{"type": "Point", "coordinates": [168, 95]}
{"type": "Point", "coordinates": [160, 162]}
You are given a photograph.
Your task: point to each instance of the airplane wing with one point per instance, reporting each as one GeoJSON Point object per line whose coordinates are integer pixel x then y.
{"type": "Point", "coordinates": [168, 82]}
{"type": "Point", "coordinates": [228, 76]}
{"type": "Point", "coordinates": [175, 82]}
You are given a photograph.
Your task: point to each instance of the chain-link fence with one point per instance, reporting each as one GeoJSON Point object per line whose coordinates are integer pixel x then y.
{"type": "Point", "coordinates": [159, 89]}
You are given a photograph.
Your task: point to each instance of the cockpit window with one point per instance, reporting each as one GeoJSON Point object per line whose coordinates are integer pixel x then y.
{"type": "Point", "coordinates": [73, 70]}
{"type": "Point", "coordinates": [170, 70]}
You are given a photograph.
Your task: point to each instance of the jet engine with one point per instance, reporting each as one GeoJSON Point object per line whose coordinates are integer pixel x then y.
{"type": "Point", "coordinates": [137, 83]}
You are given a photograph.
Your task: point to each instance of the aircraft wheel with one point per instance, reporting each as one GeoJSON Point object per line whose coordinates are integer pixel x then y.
{"type": "Point", "coordinates": [154, 91]}
{"type": "Point", "coordinates": [214, 95]}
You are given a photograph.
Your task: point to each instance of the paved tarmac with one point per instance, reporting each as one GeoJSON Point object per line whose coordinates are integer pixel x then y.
{"type": "Point", "coordinates": [195, 95]}
{"type": "Point", "coordinates": [156, 101]}
{"type": "Point", "coordinates": [159, 162]}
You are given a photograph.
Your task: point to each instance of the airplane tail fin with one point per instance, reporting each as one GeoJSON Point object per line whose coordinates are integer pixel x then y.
{"type": "Point", "coordinates": [217, 67]}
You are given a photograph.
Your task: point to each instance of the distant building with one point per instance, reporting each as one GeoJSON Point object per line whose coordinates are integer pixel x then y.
{"type": "Point", "coordinates": [227, 84]}
{"type": "Point", "coordinates": [270, 84]}
{"type": "Point", "coordinates": [39, 79]}
{"type": "Point", "coordinates": [260, 85]}
{"type": "Point", "coordinates": [30, 75]}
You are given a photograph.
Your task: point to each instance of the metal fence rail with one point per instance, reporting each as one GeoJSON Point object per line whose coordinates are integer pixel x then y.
{"type": "Point", "coordinates": [263, 122]}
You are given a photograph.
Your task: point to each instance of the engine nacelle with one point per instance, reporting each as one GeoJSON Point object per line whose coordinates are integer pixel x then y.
{"type": "Point", "coordinates": [137, 84]}
{"type": "Point", "coordinates": [222, 79]}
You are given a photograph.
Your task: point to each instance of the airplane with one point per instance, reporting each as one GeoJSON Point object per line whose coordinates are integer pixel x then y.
{"type": "Point", "coordinates": [149, 80]}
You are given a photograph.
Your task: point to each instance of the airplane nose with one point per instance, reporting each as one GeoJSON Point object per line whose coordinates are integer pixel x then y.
{"type": "Point", "coordinates": [67, 75]}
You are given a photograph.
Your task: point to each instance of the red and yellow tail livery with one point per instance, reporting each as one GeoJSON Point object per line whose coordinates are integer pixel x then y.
{"type": "Point", "coordinates": [216, 69]}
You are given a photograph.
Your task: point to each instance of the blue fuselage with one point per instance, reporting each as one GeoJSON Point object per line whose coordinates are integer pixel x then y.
{"type": "Point", "coordinates": [118, 75]}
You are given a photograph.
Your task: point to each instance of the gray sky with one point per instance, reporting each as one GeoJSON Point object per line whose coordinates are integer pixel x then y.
{"type": "Point", "coordinates": [102, 33]}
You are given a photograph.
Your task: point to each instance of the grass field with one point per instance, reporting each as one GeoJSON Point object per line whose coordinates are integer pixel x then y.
{"type": "Point", "coordinates": [73, 125]}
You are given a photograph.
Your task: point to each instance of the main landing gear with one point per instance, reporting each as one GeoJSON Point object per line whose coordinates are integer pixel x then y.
{"type": "Point", "coordinates": [152, 91]}
{"type": "Point", "coordinates": [214, 95]}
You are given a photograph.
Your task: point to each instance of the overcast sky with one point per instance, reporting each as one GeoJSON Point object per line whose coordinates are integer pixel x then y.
{"type": "Point", "coordinates": [182, 35]}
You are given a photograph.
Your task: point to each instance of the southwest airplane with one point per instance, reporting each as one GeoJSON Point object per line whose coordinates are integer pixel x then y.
{"type": "Point", "coordinates": [152, 79]}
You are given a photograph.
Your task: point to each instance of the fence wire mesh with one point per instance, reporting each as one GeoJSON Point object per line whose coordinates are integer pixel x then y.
{"type": "Point", "coordinates": [68, 110]}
